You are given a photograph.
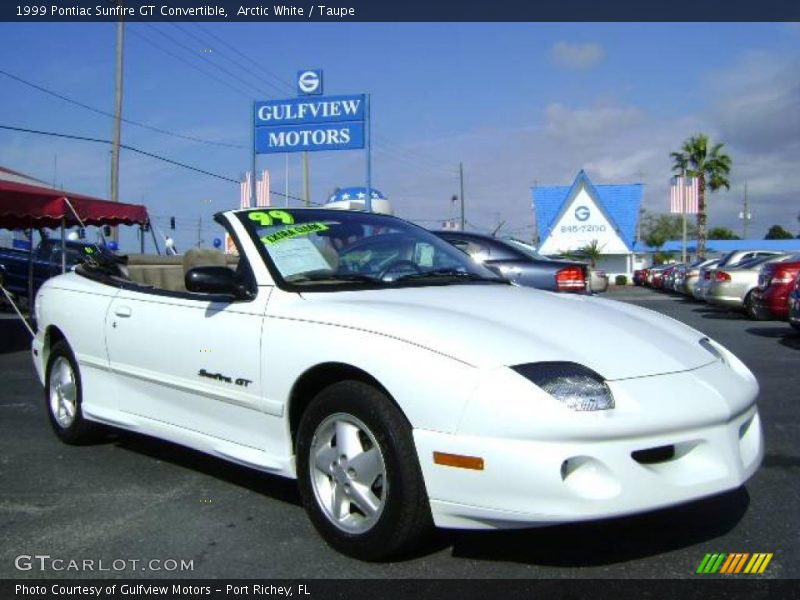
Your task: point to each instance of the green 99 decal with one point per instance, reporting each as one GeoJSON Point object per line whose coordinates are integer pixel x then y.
{"type": "Point", "coordinates": [268, 217]}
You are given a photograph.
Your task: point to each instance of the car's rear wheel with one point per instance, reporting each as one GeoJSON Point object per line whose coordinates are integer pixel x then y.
{"type": "Point", "coordinates": [359, 475]}
{"type": "Point", "coordinates": [63, 396]}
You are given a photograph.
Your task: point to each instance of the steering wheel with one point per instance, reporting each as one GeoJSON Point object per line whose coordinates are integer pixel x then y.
{"type": "Point", "coordinates": [398, 263]}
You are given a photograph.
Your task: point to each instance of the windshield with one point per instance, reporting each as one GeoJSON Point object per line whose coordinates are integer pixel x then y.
{"type": "Point", "coordinates": [327, 249]}
{"type": "Point", "coordinates": [526, 249]}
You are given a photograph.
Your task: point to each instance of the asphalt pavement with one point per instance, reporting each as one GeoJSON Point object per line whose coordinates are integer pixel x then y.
{"type": "Point", "coordinates": [135, 499]}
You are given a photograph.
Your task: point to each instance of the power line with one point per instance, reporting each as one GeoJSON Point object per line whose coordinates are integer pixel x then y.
{"type": "Point", "coordinates": [225, 57]}
{"type": "Point", "coordinates": [135, 33]}
{"type": "Point", "coordinates": [193, 52]}
{"type": "Point", "coordinates": [394, 150]}
{"type": "Point", "coordinates": [108, 114]}
{"type": "Point", "coordinates": [131, 148]}
{"type": "Point", "coordinates": [258, 65]}
{"type": "Point", "coordinates": [142, 152]}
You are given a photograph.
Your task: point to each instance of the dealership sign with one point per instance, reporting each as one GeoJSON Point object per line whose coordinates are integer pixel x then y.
{"type": "Point", "coordinates": [309, 83]}
{"type": "Point", "coordinates": [306, 124]}
{"type": "Point", "coordinates": [580, 223]}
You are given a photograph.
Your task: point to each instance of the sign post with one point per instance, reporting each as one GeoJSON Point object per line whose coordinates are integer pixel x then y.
{"type": "Point", "coordinates": [253, 140]}
{"type": "Point", "coordinates": [368, 126]}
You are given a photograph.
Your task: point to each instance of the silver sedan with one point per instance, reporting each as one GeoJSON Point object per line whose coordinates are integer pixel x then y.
{"type": "Point", "coordinates": [732, 287]}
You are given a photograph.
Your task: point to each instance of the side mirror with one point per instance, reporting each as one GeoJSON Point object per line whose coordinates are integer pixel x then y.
{"type": "Point", "coordinates": [215, 280]}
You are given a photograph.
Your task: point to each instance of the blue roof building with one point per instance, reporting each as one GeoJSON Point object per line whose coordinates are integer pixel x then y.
{"type": "Point", "coordinates": [723, 246]}
{"type": "Point", "coordinates": [570, 217]}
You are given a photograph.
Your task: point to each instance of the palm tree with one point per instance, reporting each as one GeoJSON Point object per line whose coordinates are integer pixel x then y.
{"type": "Point", "coordinates": [592, 252]}
{"type": "Point", "coordinates": [711, 169]}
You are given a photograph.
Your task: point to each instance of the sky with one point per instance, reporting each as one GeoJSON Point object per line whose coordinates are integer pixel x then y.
{"type": "Point", "coordinates": [519, 104]}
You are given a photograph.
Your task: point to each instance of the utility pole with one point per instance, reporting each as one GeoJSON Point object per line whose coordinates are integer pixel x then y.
{"type": "Point", "coordinates": [117, 117]}
{"type": "Point", "coordinates": [461, 179]}
{"type": "Point", "coordinates": [200, 232]}
{"type": "Point", "coordinates": [306, 190]}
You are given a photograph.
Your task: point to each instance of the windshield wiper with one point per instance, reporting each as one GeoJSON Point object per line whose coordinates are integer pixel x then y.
{"type": "Point", "coordinates": [344, 277]}
{"type": "Point", "coordinates": [444, 273]}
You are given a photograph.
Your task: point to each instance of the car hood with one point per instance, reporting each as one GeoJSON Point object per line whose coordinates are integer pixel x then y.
{"type": "Point", "coordinates": [494, 325]}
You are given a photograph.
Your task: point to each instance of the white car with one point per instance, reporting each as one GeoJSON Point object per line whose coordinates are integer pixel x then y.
{"type": "Point", "coordinates": [402, 384]}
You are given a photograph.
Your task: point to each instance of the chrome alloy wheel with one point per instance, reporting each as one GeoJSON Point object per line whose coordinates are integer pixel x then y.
{"type": "Point", "coordinates": [63, 393]}
{"type": "Point", "coordinates": [348, 473]}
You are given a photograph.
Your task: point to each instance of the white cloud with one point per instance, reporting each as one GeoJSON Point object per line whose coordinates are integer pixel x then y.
{"type": "Point", "coordinates": [593, 122]}
{"type": "Point", "coordinates": [577, 56]}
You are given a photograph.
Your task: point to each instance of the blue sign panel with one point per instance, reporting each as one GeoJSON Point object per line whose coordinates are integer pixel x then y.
{"type": "Point", "coordinates": [330, 109]}
{"type": "Point", "coordinates": [305, 124]}
{"type": "Point", "coordinates": [311, 137]}
{"type": "Point", "coordinates": [309, 82]}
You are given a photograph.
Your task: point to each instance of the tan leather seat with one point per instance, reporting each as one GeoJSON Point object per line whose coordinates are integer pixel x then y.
{"type": "Point", "coordinates": [203, 257]}
{"type": "Point", "coordinates": [162, 272]}
{"type": "Point", "coordinates": [169, 272]}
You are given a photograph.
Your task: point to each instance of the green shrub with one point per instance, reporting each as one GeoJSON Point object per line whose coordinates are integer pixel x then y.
{"type": "Point", "coordinates": [621, 280]}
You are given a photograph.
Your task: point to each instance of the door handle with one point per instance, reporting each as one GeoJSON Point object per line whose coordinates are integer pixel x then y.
{"type": "Point", "coordinates": [123, 311]}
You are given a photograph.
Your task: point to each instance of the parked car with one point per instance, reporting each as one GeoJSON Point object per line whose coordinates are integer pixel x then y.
{"type": "Point", "coordinates": [733, 287]}
{"type": "Point", "coordinates": [731, 259]}
{"type": "Point", "coordinates": [677, 277]}
{"type": "Point", "coordinates": [598, 280]}
{"type": "Point", "coordinates": [668, 279]}
{"type": "Point", "coordinates": [775, 283]}
{"type": "Point", "coordinates": [401, 383]}
{"type": "Point", "coordinates": [519, 263]}
{"type": "Point", "coordinates": [692, 274]}
{"type": "Point", "coordinates": [46, 263]}
{"type": "Point", "coordinates": [655, 276]}
{"type": "Point", "coordinates": [794, 306]}
{"type": "Point", "coordinates": [700, 288]}
{"type": "Point", "coordinates": [640, 277]}
{"type": "Point", "coordinates": [736, 257]}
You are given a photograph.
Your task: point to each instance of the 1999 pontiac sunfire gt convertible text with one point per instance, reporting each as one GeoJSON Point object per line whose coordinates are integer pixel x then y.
{"type": "Point", "coordinates": [401, 383]}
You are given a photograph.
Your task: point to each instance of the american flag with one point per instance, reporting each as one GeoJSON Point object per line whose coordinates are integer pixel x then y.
{"type": "Point", "coordinates": [262, 190]}
{"type": "Point", "coordinates": [244, 191]}
{"type": "Point", "coordinates": [683, 190]}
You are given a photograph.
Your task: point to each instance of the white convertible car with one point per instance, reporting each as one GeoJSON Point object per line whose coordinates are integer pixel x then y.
{"type": "Point", "coordinates": [402, 384]}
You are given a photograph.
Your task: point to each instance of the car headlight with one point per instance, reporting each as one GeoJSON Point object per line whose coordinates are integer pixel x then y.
{"type": "Point", "coordinates": [574, 385]}
{"type": "Point", "coordinates": [713, 350]}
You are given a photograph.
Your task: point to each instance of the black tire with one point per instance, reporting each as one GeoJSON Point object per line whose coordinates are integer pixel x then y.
{"type": "Point", "coordinates": [749, 307]}
{"type": "Point", "coordinates": [404, 519]}
{"type": "Point", "coordinates": [78, 430]}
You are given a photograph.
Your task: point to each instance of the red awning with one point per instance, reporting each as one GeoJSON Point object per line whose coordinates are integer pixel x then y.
{"type": "Point", "coordinates": [23, 205]}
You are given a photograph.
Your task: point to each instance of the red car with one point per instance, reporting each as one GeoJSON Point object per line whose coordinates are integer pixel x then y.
{"type": "Point", "coordinates": [775, 282]}
{"type": "Point", "coordinates": [794, 306]}
{"type": "Point", "coordinates": [640, 276]}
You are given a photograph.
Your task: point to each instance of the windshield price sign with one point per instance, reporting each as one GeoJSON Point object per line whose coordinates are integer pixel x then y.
{"type": "Point", "coordinates": [306, 124]}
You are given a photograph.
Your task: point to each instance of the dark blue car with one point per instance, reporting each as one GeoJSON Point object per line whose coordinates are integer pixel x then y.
{"type": "Point", "coordinates": [519, 263]}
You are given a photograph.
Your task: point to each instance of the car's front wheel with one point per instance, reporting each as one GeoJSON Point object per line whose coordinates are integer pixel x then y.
{"type": "Point", "coordinates": [63, 395]}
{"type": "Point", "coordinates": [359, 475]}
{"type": "Point", "coordinates": [750, 307]}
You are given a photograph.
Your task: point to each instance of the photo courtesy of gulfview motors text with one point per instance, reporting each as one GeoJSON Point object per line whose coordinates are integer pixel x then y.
{"type": "Point", "coordinates": [251, 590]}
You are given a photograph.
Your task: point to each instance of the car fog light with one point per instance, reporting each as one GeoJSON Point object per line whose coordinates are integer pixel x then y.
{"type": "Point", "coordinates": [574, 385]}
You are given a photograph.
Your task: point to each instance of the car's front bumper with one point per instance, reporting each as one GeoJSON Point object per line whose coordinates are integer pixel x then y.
{"type": "Point", "coordinates": [528, 483]}
{"type": "Point", "coordinates": [695, 434]}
